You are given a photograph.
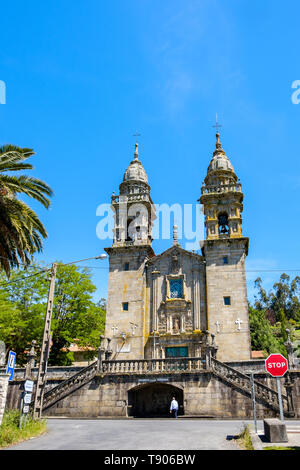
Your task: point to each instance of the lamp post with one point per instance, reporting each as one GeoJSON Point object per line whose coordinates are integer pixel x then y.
{"type": "Point", "coordinates": [45, 349]}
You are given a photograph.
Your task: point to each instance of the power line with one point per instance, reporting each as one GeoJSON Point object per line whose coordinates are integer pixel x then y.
{"type": "Point", "coordinates": [24, 278]}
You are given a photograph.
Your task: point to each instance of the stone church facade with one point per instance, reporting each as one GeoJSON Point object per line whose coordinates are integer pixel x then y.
{"type": "Point", "coordinates": [164, 305]}
{"type": "Point", "coordinates": [177, 322]}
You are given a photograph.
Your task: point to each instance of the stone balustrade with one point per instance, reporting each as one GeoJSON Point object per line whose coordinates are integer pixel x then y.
{"type": "Point", "coordinates": [222, 188]}
{"type": "Point", "coordinates": [132, 197]}
{"type": "Point", "coordinates": [143, 366]}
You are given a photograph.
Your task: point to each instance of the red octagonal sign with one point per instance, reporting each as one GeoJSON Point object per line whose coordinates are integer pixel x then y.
{"type": "Point", "coordinates": [276, 365]}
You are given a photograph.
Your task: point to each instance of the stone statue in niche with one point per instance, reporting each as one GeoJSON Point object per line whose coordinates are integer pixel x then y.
{"type": "Point", "coordinates": [176, 325]}
{"type": "Point", "coordinates": [174, 268]}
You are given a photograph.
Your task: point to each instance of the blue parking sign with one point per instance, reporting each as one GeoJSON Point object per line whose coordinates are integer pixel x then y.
{"type": "Point", "coordinates": [11, 364]}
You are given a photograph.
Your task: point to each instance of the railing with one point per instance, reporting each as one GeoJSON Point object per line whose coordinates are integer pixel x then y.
{"type": "Point", "coordinates": [143, 366]}
{"type": "Point", "coordinates": [237, 378]}
{"type": "Point", "coordinates": [168, 365]}
{"type": "Point", "coordinates": [131, 197]}
{"type": "Point", "coordinates": [222, 188]}
{"type": "Point", "coordinates": [69, 385]}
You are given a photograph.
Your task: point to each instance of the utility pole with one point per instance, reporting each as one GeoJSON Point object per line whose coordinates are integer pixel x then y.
{"type": "Point", "coordinates": [41, 378]}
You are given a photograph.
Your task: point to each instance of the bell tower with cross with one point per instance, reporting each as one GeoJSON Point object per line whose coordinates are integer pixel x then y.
{"type": "Point", "coordinates": [134, 212]}
{"type": "Point", "coordinates": [225, 250]}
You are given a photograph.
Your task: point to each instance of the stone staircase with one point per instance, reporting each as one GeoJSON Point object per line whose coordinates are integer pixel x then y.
{"type": "Point", "coordinates": [263, 394]}
{"type": "Point", "coordinates": [69, 385]}
{"type": "Point", "coordinates": [232, 377]}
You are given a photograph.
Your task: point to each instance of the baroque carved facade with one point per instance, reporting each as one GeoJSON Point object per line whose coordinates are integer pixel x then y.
{"type": "Point", "coordinates": [165, 305]}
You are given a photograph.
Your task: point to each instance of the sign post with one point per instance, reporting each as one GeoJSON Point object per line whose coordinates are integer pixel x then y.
{"type": "Point", "coordinates": [277, 366]}
{"type": "Point", "coordinates": [253, 401]}
{"type": "Point", "coordinates": [11, 364]}
{"type": "Point", "coordinates": [26, 398]}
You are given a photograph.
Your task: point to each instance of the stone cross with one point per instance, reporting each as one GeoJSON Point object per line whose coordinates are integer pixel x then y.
{"type": "Point", "coordinates": [115, 329]}
{"type": "Point", "coordinates": [133, 328]}
{"type": "Point", "coordinates": [238, 322]}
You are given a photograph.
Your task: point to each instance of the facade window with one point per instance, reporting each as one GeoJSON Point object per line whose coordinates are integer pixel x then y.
{"type": "Point", "coordinates": [225, 260]}
{"type": "Point", "coordinates": [125, 306]}
{"type": "Point", "coordinates": [227, 301]}
{"type": "Point", "coordinates": [176, 288]}
{"type": "Point", "coordinates": [177, 352]}
{"type": "Point", "coordinates": [126, 267]}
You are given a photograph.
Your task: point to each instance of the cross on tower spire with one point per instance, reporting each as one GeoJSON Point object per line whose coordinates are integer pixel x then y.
{"type": "Point", "coordinates": [217, 126]}
{"type": "Point", "coordinates": [137, 134]}
{"type": "Point", "coordinates": [136, 152]}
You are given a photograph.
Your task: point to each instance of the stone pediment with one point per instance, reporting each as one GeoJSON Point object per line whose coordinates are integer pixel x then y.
{"type": "Point", "coordinates": [173, 251]}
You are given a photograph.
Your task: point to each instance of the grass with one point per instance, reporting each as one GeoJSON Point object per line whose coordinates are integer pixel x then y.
{"type": "Point", "coordinates": [11, 433]}
{"type": "Point", "coordinates": [244, 439]}
{"type": "Point", "coordinates": [281, 448]}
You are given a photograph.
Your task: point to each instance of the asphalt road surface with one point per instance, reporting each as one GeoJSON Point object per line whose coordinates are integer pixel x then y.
{"type": "Point", "coordinates": [137, 434]}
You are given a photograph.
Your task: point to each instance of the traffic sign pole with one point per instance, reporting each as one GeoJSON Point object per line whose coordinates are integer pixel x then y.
{"type": "Point", "coordinates": [253, 401]}
{"type": "Point", "coordinates": [277, 366]}
{"type": "Point", "coordinates": [280, 399]}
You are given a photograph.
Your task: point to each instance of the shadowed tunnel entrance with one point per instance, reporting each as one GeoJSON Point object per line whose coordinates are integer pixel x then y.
{"type": "Point", "coordinates": [153, 400]}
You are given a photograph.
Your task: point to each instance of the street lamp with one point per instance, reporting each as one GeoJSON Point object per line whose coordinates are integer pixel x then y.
{"type": "Point", "coordinates": [103, 256]}
{"type": "Point", "coordinates": [41, 378]}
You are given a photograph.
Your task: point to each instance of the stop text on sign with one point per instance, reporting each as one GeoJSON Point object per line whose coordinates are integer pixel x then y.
{"type": "Point", "coordinates": [276, 364]}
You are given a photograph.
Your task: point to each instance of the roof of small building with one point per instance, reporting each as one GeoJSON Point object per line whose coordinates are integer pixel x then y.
{"type": "Point", "coordinates": [257, 355]}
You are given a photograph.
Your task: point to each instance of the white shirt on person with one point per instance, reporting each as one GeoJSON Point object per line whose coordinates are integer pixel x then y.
{"type": "Point", "coordinates": [174, 405]}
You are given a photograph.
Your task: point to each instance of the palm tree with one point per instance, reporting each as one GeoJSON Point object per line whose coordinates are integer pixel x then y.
{"type": "Point", "coordinates": [21, 231]}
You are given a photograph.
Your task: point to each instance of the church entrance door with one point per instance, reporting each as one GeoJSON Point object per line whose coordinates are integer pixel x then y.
{"type": "Point", "coordinates": [153, 400]}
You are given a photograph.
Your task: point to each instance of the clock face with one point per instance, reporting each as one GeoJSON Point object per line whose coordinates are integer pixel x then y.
{"type": "Point", "coordinates": [176, 288]}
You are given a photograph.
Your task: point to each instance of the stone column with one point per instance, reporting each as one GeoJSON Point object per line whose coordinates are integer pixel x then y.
{"type": "Point", "coordinates": [196, 300]}
{"type": "Point", "coordinates": [101, 351]}
{"type": "Point", "coordinates": [155, 300]}
{"type": "Point", "coordinates": [3, 393]}
{"type": "Point", "coordinates": [108, 351]}
{"type": "Point", "coordinates": [290, 350]}
{"type": "Point", "coordinates": [289, 384]}
{"type": "Point", "coordinates": [30, 361]}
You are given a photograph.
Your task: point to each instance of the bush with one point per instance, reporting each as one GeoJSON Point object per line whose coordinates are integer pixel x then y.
{"type": "Point", "coordinates": [11, 433]}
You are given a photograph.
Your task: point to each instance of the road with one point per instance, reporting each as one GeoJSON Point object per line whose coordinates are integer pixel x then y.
{"type": "Point", "coordinates": [139, 434]}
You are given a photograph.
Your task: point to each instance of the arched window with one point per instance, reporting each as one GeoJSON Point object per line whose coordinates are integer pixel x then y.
{"type": "Point", "coordinates": [223, 223]}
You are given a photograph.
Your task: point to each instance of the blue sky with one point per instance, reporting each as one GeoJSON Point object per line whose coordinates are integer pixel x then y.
{"type": "Point", "coordinates": [82, 77]}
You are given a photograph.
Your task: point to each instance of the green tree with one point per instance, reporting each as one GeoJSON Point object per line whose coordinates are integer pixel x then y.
{"type": "Point", "coordinates": [283, 299]}
{"type": "Point", "coordinates": [262, 334]}
{"type": "Point", "coordinates": [21, 310]}
{"type": "Point", "coordinates": [75, 314]}
{"type": "Point", "coordinates": [21, 231]}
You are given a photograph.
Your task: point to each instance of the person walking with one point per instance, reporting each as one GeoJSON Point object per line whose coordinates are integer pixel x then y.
{"type": "Point", "coordinates": [174, 407]}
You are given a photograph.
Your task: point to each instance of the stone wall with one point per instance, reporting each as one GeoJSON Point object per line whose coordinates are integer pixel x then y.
{"type": "Point", "coordinates": [228, 281]}
{"type": "Point", "coordinates": [126, 327]}
{"type": "Point", "coordinates": [203, 394]}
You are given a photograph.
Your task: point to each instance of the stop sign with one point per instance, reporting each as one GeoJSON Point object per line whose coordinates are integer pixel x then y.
{"type": "Point", "coordinates": [276, 365]}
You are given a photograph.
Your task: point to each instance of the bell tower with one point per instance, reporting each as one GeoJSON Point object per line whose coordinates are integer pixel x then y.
{"type": "Point", "coordinates": [133, 208]}
{"type": "Point", "coordinates": [225, 250]}
{"type": "Point", "coordinates": [132, 246]}
{"type": "Point", "coordinates": [222, 197]}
